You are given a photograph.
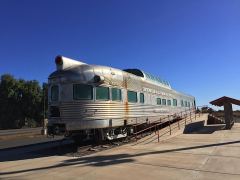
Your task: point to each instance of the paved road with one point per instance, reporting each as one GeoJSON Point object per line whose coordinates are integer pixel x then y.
{"type": "Point", "coordinates": [20, 131]}
{"type": "Point", "coordinates": [209, 153]}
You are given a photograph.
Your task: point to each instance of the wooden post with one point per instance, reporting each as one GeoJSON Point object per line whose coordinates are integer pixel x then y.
{"type": "Point", "coordinates": [185, 118]}
{"type": "Point", "coordinates": [169, 123]}
{"type": "Point", "coordinates": [135, 130]}
{"type": "Point", "coordinates": [228, 113]}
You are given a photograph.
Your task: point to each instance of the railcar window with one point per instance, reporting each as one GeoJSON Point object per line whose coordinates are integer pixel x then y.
{"type": "Point", "coordinates": [182, 103]}
{"type": "Point", "coordinates": [116, 94]}
{"type": "Point", "coordinates": [102, 93]}
{"type": "Point", "coordinates": [54, 93]}
{"type": "Point", "coordinates": [174, 102]}
{"type": "Point", "coordinates": [82, 92]}
{"type": "Point", "coordinates": [159, 102]}
{"type": "Point", "coordinates": [164, 102]}
{"type": "Point", "coordinates": [132, 96]}
{"type": "Point", "coordinates": [141, 98]}
{"type": "Point", "coordinates": [169, 103]}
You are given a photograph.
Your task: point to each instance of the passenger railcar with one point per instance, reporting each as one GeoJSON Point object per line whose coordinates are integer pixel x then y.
{"type": "Point", "coordinates": [104, 102]}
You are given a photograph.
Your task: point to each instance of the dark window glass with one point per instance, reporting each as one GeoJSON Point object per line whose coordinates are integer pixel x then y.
{"type": "Point", "coordinates": [169, 103]}
{"type": "Point", "coordinates": [185, 103]}
{"type": "Point", "coordinates": [54, 93]}
{"type": "Point", "coordinates": [141, 98]}
{"type": "Point", "coordinates": [164, 102]}
{"type": "Point", "coordinates": [182, 103]}
{"type": "Point", "coordinates": [159, 102]}
{"type": "Point", "coordinates": [102, 93]}
{"type": "Point", "coordinates": [188, 104]}
{"type": "Point", "coordinates": [116, 94]}
{"type": "Point", "coordinates": [82, 92]}
{"type": "Point", "coordinates": [132, 96]}
{"type": "Point", "coordinates": [174, 102]}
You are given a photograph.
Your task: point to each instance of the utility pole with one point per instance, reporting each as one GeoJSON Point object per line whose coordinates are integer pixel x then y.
{"type": "Point", "coordinates": [44, 132]}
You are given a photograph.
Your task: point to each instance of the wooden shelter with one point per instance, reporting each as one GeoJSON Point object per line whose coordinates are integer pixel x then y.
{"type": "Point", "coordinates": [227, 103]}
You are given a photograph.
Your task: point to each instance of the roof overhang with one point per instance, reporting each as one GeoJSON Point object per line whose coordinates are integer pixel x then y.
{"type": "Point", "coordinates": [223, 100]}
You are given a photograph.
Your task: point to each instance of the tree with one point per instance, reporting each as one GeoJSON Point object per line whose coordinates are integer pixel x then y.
{"type": "Point", "coordinates": [31, 101]}
{"type": "Point", "coordinates": [10, 98]}
{"type": "Point", "coordinates": [21, 102]}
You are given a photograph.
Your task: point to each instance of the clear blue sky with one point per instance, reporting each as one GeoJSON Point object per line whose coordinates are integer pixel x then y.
{"type": "Point", "coordinates": [193, 44]}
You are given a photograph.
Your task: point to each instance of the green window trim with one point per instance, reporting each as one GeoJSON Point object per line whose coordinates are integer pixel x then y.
{"type": "Point", "coordinates": [174, 102]}
{"type": "Point", "coordinates": [159, 101]}
{"type": "Point", "coordinates": [141, 98]}
{"type": "Point", "coordinates": [54, 93]}
{"type": "Point", "coordinates": [82, 92]}
{"type": "Point", "coordinates": [132, 96]}
{"type": "Point", "coordinates": [169, 102]}
{"type": "Point", "coordinates": [102, 93]}
{"type": "Point", "coordinates": [116, 94]}
{"type": "Point", "coordinates": [182, 103]}
{"type": "Point", "coordinates": [164, 102]}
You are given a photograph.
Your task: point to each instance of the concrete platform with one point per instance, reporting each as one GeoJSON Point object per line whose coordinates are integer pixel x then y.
{"type": "Point", "coordinates": [208, 153]}
{"type": "Point", "coordinates": [25, 141]}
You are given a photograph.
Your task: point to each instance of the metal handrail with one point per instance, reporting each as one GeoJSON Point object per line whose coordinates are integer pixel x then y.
{"type": "Point", "coordinates": [175, 115]}
{"type": "Point", "coordinates": [168, 117]}
{"type": "Point", "coordinates": [156, 126]}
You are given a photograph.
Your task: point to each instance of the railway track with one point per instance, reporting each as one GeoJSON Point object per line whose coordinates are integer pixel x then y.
{"type": "Point", "coordinates": [64, 147]}
{"type": "Point", "coordinates": [88, 149]}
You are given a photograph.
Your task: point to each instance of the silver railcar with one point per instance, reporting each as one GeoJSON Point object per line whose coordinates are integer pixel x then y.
{"type": "Point", "coordinates": [102, 101]}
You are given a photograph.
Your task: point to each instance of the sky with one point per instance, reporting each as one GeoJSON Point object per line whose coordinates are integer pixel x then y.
{"type": "Point", "coordinates": [195, 45]}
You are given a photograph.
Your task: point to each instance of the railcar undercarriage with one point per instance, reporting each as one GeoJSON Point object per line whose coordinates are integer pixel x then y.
{"type": "Point", "coordinates": [91, 134]}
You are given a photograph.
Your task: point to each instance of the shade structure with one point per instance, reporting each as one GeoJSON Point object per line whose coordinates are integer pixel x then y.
{"type": "Point", "coordinates": [227, 102]}
{"type": "Point", "coordinates": [223, 100]}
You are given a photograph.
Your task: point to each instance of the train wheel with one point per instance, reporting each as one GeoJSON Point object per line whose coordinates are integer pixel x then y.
{"type": "Point", "coordinates": [98, 136]}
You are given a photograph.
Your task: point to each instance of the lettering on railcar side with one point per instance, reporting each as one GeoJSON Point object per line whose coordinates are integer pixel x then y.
{"type": "Point", "coordinates": [144, 89]}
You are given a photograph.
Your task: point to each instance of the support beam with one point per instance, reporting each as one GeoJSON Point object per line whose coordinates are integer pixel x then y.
{"type": "Point", "coordinates": [228, 112]}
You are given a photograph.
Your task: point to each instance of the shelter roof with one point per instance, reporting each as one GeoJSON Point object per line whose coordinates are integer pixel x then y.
{"type": "Point", "coordinates": [221, 101]}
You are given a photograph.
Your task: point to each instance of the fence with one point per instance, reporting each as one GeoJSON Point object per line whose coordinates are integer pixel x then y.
{"type": "Point", "coordinates": [155, 126]}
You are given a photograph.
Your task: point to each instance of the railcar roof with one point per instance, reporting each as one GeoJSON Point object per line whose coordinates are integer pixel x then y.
{"type": "Point", "coordinates": [71, 71]}
{"type": "Point", "coordinates": [148, 76]}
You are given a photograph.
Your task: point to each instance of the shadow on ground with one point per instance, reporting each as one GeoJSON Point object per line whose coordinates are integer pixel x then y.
{"type": "Point", "coordinates": [108, 160]}
{"type": "Point", "coordinates": [199, 128]}
{"type": "Point", "coordinates": [36, 151]}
